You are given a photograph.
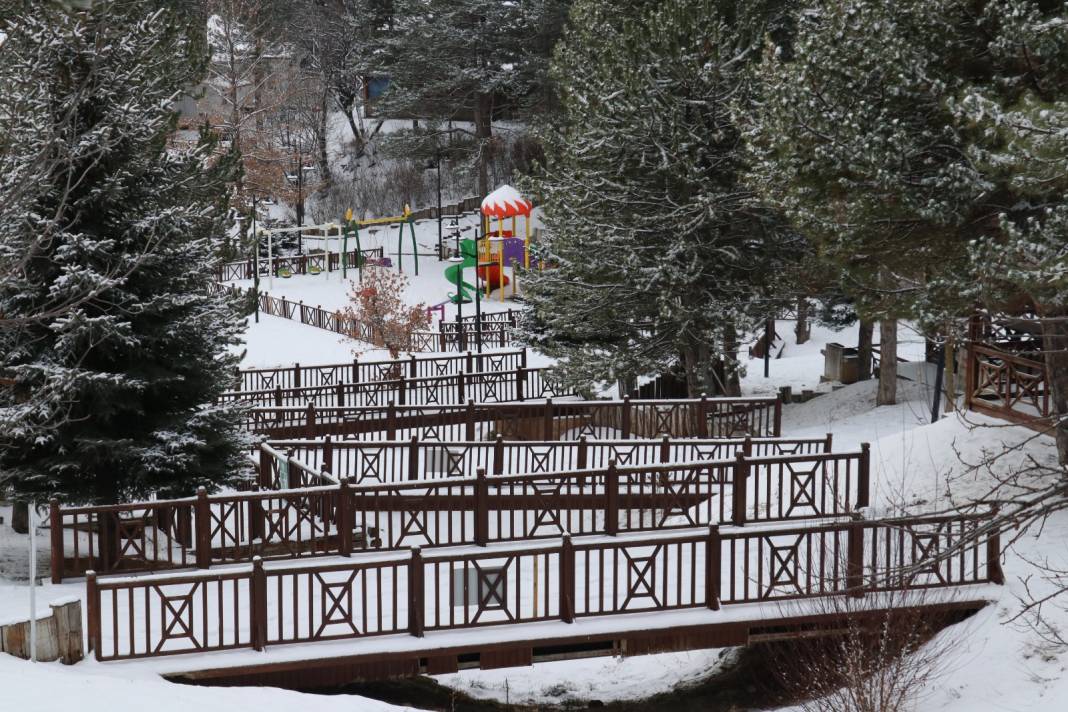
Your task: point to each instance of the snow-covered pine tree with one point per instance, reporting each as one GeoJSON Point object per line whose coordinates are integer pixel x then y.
{"type": "Point", "coordinates": [656, 253]}
{"type": "Point", "coordinates": [467, 61]}
{"type": "Point", "coordinates": [1016, 124]}
{"type": "Point", "coordinates": [114, 347]}
{"type": "Point", "coordinates": [856, 140]}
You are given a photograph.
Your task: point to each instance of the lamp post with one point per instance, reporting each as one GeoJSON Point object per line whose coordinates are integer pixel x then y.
{"type": "Point", "coordinates": [256, 260]}
{"type": "Point", "coordinates": [436, 165]}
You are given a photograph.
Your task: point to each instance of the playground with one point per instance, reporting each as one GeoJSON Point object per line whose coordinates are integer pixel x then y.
{"type": "Point", "coordinates": [489, 248]}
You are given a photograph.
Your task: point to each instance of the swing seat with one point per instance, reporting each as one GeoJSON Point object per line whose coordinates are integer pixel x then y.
{"type": "Point", "coordinates": [285, 272]}
{"type": "Point", "coordinates": [314, 269]}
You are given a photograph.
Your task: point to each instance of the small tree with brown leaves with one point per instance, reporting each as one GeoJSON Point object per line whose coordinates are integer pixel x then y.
{"type": "Point", "coordinates": [378, 302]}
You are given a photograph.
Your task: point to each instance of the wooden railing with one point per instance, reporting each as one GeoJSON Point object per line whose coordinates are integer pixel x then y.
{"type": "Point", "coordinates": [388, 462]}
{"type": "Point", "coordinates": [562, 579]}
{"type": "Point", "coordinates": [296, 264]}
{"type": "Point", "coordinates": [548, 420]}
{"type": "Point", "coordinates": [340, 519]}
{"type": "Point", "coordinates": [493, 334]}
{"type": "Point", "coordinates": [491, 387]}
{"type": "Point", "coordinates": [359, 371]}
{"type": "Point", "coordinates": [1007, 385]}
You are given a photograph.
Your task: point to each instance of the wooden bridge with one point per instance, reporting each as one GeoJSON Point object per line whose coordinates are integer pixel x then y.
{"type": "Point", "coordinates": [430, 538]}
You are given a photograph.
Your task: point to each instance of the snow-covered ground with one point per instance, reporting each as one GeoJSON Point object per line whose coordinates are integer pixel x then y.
{"type": "Point", "coordinates": [996, 666]}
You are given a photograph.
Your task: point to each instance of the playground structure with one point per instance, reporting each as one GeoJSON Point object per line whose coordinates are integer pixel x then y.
{"type": "Point", "coordinates": [497, 249]}
{"type": "Point", "coordinates": [341, 234]}
{"type": "Point", "coordinates": [352, 227]}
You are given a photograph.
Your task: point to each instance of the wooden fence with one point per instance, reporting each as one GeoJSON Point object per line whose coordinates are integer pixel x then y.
{"type": "Point", "coordinates": [296, 264]}
{"type": "Point", "coordinates": [342, 518]}
{"type": "Point", "coordinates": [358, 371]}
{"type": "Point", "coordinates": [253, 606]}
{"type": "Point", "coordinates": [491, 387]}
{"type": "Point", "coordinates": [492, 334]}
{"type": "Point", "coordinates": [388, 462]}
{"type": "Point", "coordinates": [1007, 385]}
{"type": "Point", "coordinates": [548, 420]}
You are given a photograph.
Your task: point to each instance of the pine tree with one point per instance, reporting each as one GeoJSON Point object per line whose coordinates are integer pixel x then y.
{"type": "Point", "coordinates": [468, 61]}
{"type": "Point", "coordinates": [657, 253]}
{"type": "Point", "coordinates": [113, 346]}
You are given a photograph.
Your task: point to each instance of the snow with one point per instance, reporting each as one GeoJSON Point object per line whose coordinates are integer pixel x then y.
{"type": "Point", "coordinates": [996, 665]}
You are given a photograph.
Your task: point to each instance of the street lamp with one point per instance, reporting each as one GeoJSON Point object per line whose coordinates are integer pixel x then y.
{"type": "Point", "coordinates": [436, 165]}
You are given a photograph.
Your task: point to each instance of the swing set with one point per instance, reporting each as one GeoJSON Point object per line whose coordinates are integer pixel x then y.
{"type": "Point", "coordinates": [352, 227]}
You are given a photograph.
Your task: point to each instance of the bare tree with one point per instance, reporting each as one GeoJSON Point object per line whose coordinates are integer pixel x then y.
{"type": "Point", "coordinates": [874, 655]}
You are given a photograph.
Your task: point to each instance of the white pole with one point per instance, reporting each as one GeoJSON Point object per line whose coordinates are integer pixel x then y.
{"type": "Point", "coordinates": [33, 582]}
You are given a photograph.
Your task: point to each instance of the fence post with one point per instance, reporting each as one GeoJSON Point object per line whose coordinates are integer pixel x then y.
{"type": "Point", "coordinates": [498, 455]}
{"type": "Point", "coordinates": [355, 370]}
{"type": "Point", "coordinates": [461, 393]}
{"type": "Point", "coordinates": [481, 507]}
{"type": "Point", "coordinates": [702, 416]}
{"type": "Point", "coordinates": [469, 430]}
{"type": "Point", "coordinates": [344, 517]}
{"type": "Point", "coordinates": [566, 579]}
{"type": "Point", "coordinates": [92, 604]}
{"type": "Point", "coordinates": [413, 458]}
{"type": "Point", "coordinates": [778, 417]}
{"type": "Point", "coordinates": [547, 421]}
{"type": "Point", "coordinates": [520, 382]}
{"type": "Point", "coordinates": [665, 448]}
{"type": "Point", "coordinates": [202, 523]}
{"type": "Point", "coordinates": [864, 476]}
{"type": "Point", "coordinates": [740, 477]}
{"type": "Point", "coordinates": [413, 367]}
{"type": "Point", "coordinates": [340, 395]}
{"type": "Point", "coordinates": [309, 422]}
{"type": "Point", "coordinates": [301, 308]}
{"type": "Point", "coordinates": [55, 531]}
{"type": "Point", "coordinates": [278, 402]}
{"type": "Point", "coordinates": [747, 446]}
{"type": "Point", "coordinates": [415, 593]}
{"type": "Point", "coordinates": [265, 480]}
{"type": "Point", "coordinates": [624, 418]}
{"type": "Point", "coordinates": [993, 557]}
{"type": "Point", "coordinates": [611, 507]}
{"type": "Point", "coordinates": [583, 453]}
{"type": "Point", "coordinates": [828, 443]}
{"type": "Point", "coordinates": [468, 362]}
{"type": "Point", "coordinates": [391, 421]}
{"type": "Point", "coordinates": [402, 398]}
{"type": "Point", "coordinates": [523, 357]}
{"type": "Point", "coordinates": [713, 567]}
{"type": "Point", "coordinates": [296, 375]}
{"type": "Point", "coordinates": [441, 336]}
{"type": "Point", "coordinates": [855, 559]}
{"type": "Point", "coordinates": [328, 455]}
{"type": "Point", "coordinates": [258, 604]}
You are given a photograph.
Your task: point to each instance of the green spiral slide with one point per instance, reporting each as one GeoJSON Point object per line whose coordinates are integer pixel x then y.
{"type": "Point", "coordinates": [454, 273]}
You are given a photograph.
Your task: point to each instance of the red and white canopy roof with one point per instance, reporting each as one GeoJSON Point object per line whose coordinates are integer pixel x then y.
{"type": "Point", "coordinates": [506, 202]}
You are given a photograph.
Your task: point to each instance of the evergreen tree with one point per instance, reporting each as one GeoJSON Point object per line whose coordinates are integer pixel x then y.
{"type": "Point", "coordinates": [856, 141]}
{"type": "Point", "coordinates": [468, 61]}
{"type": "Point", "coordinates": [112, 348]}
{"type": "Point", "coordinates": [656, 252]}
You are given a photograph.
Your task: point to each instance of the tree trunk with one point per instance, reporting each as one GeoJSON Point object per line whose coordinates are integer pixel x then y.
{"type": "Point", "coordinates": [802, 331]}
{"type": "Point", "coordinates": [483, 136]}
{"type": "Point", "coordinates": [324, 157]}
{"type": "Point", "coordinates": [732, 382]}
{"type": "Point", "coordinates": [864, 338]}
{"type": "Point", "coordinates": [887, 394]}
{"type": "Point", "coordinates": [690, 367]}
{"type": "Point", "coordinates": [1055, 336]}
{"type": "Point", "coordinates": [258, 79]}
{"type": "Point", "coordinates": [950, 376]}
{"type": "Point", "coordinates": [20, 517]}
